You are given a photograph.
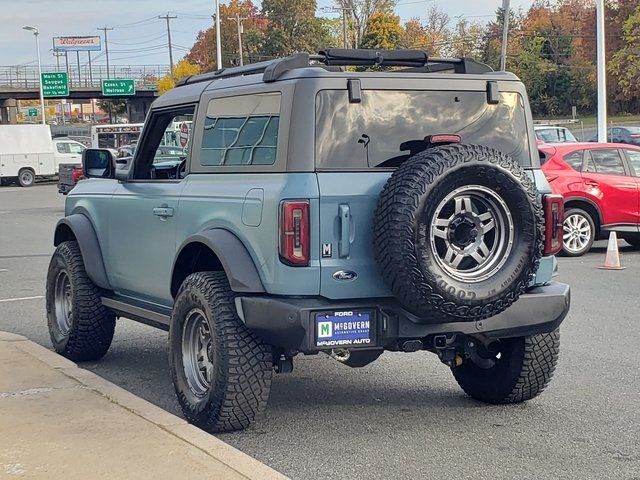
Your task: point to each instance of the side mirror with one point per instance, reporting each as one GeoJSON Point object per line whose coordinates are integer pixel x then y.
{"type": "Point", "coordinates": [98, 163]}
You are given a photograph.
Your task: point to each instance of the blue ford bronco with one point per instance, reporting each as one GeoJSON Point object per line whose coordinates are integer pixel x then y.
{"type": "Point", "coordinates": [350, 203]}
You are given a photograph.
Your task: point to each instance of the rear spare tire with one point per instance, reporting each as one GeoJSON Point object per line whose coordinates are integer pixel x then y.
{"type": "Point", "coordinates": [459, 232]}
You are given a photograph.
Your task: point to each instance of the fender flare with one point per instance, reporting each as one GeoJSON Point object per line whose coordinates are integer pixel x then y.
{"type": "Point", "coordinates": [233, 255]}
{"type": "Point", "coordinates": [589, 201]}
{"type": "Point", "coordinates": [85, 235]}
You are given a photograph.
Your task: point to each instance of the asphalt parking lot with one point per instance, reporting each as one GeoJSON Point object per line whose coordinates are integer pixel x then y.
{"type": "Point", "coordinates": [403, 416]}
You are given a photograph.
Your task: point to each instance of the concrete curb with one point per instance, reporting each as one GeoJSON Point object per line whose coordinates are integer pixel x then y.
{"type": "Point", "coordinates": [231, 457]}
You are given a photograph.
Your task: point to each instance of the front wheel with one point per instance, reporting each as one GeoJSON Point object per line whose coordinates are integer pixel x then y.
{"type": "Point", "coordinates": [518, 370]}
{"type": "Point", "coordinates": [26, 177]}
{"type": "Point", "coordinates": [579, 232]}
{"type": "Point", "coordinates": [80, 327]}
{"type": "Point", "coordinates": [221, 371]}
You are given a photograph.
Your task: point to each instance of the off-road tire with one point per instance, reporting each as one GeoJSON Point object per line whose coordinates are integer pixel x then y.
{"type": "Point", "coordinates": [242, 363]}
{"type": "Point", "coordinates": [581, 213]}
{"type": "Point", "coordinates": [91, 325]}
{"type": "Point", "coordinates": [403, 221]}
{"type": "Point", "coordinates": [26, 177]}
{"type": "Point", "coordinates": [523, 371]}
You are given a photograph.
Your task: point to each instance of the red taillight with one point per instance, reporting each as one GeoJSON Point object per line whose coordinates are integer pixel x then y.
{"type": "Point", "coordinates": [553, 223]}
{"type": "Point", "coordinates": [294, 232]}
{"type": "Point", "coordinates": [635, 135]}
{"type": "Point", "coordinates": [76, 174]}
{"type": "Point", "coordinates": [444, 138]}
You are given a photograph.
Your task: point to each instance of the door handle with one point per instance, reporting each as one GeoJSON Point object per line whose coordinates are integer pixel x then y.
{"type": "Point", "coordinates": [591, 183]}
{"type": "Point", "coordinates": [163, 212]}
{"type": "Point", "coordinates": [344, 246]}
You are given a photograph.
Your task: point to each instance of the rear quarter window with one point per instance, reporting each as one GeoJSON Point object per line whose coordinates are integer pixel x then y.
{"type": "Point", "coordinates": [575, 160]}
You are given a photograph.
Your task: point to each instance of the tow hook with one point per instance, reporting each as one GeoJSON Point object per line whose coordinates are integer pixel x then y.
{"type": "Point", "coordinates": [450, 357]}
{"type": "Point", "coordinates": [283, 364]}
{"type": "Point", "coordinates": [340, 354]}
{"type": "Point", "coordinates": [471, 350]}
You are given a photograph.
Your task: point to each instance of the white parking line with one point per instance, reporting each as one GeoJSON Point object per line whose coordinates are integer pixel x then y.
{"type": "Point", "coordinates": [19, 299]}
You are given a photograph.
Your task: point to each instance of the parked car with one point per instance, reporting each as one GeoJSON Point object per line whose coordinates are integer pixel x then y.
{"type": "Point", "coordinates": [68, 176]}
{"type": "Point", "coordinates": [553, 134]}
{"type": "Point", "coordinates": [600, 185]}
{"type": "Point", "coordinates": [28, 152]}
{"type": "Point", "coordinates": [628, 135]}
{"type": "Point", "coordinates": [321, 210]}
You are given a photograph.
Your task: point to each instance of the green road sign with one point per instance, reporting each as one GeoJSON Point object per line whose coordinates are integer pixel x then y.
{"type": "Point", "coordinates": [55, 84]}
{"type": "Point", "coordinates": [32, 112]}
{"type": "Point", "coordinates": [118, 87]}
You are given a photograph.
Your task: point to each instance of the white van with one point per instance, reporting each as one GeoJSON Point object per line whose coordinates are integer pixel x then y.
{"type": "Point", "coordinates": [28, 151]}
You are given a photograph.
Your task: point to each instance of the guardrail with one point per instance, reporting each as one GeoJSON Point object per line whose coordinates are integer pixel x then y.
{"type": "Point", "coordinates": [145, 76]}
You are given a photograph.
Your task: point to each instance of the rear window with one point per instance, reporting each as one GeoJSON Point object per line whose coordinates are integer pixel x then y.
{"type": "Point", "coordinates": [382, 130]}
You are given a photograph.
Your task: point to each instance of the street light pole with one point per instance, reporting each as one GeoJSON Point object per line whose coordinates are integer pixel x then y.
{"type": "Point", "coordinates": [218, 40]}
{"type": "Point", "coordinates": [36, 32]}
{"type": "Point", "coordinates": [602, 74]}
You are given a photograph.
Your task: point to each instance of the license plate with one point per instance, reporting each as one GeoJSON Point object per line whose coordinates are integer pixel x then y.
{"type": "Point", "coordinates": [347, 328]}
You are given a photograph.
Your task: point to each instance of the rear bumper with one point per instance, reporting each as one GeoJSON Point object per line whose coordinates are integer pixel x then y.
{"type": "Point", "coordinates": [290, 323]}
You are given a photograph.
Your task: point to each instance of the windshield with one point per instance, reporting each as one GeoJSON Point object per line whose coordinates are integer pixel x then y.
{"type": "Point", "coordinates": [388, 126]}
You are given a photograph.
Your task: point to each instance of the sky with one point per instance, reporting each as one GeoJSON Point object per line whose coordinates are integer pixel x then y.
{"type": "Point", "coordinates": [139, 37]}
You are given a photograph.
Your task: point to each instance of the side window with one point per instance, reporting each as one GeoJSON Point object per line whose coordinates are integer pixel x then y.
{"type": "Point", "coordinates": [634, 161]}
{"type": "Point", "coordinates": [574, 160]}
{"type": "Point", "coordinates": [241, 130]}
{"type": "Point", "coordinates": [161, 154]}
{"type": "Point", "coordinates": [607, 161]}
{"type": "Point", "coordinates": [75, 148]}
{"type": "Point", "coordinates": [62, 147]}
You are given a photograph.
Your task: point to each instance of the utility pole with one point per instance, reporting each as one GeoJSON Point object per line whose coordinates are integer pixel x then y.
{"type": "Point", "coordinates": [218, 40]}
{"type": "Point", "coordinates": [343, 11]}
{"type": "Point", "coordinates": [505, 34]}
{"type": "Point", "coordinates": [238, 19]}
{"type": "Point", "coordinates": [168, 17]}
{"type": "Point", "coordinates": [106, 46]}
{"type": "Point", "coordinates": [602, 74]}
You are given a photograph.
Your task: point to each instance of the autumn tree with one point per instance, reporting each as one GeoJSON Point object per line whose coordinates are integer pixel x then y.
{"type": "Point", "coordinates": [182, 69]}
{"type": "Point", "coordinates": [383, 32]}
{"type": "Point", "coordinates": [203, 51]}
{"type": "Point", "coordinates": [626, 61]}
{"type": "Point", "coordinates": [359, 12]}
{"type": "Point", "coordinates": [414, 36]}
{"type": "Point", "coordinates": [292, 27]}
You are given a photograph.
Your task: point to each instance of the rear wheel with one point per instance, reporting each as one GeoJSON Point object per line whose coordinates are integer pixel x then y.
{"type": "Point", "coordinates": [579, 232]}
{"type": "Point", "coordinates": [221, 371]}
{"type": "Point", "coordinates": [518, 370]}
{"type": "Point", "coordinates": [26, 177]}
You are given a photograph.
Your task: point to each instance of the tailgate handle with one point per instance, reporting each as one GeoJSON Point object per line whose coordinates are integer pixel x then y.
{"type": "Point", "coordinates": [345, 231]}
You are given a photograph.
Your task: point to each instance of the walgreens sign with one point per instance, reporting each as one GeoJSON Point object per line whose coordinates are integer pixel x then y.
{"type": "Point", "coordinates": [74, 44]}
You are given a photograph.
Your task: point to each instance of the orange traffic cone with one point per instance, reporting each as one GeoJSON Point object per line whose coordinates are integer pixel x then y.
{"type": "Point", "coordinates": [612, 260]}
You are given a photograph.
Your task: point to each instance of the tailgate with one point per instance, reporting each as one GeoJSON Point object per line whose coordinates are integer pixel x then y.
{"type": "Point", "coordinates": [347, 204]}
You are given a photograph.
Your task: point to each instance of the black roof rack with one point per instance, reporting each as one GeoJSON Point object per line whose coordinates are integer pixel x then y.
{"type": "Point", "coordinates": [416, 61]}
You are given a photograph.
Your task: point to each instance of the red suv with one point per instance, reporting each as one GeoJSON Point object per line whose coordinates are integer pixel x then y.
{"type": "Point", "coordinates": [600, 185]}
